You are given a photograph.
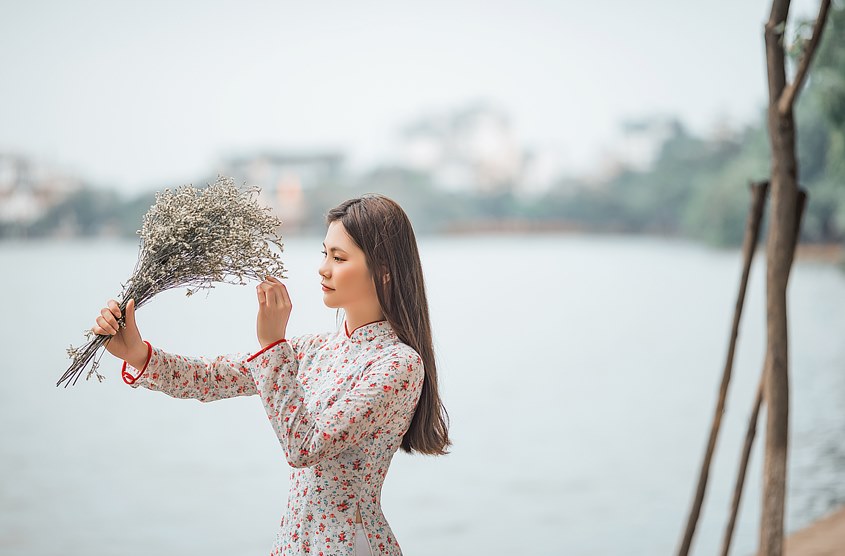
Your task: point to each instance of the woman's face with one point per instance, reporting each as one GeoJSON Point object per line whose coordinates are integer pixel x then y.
{"type": "Point", "coordinates": [346, 280]}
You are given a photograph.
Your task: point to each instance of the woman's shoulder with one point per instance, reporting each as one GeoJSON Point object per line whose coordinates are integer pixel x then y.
{"type": "Point", "coordinates": [400, 354]}
{"type": "Point", "coordinates": [404, 351]}
{"type": "Point", "coordinates": [309, 341]}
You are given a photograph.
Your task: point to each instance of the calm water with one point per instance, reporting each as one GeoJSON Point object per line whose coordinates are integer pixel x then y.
{"type": "Point", "coordinates": [580, 374]}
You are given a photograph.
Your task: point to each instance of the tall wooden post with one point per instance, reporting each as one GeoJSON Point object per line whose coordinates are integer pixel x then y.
{"type": "Point", "coordinates": [782, 233]}
{"type": "Point", "coordinates": [751, 430]}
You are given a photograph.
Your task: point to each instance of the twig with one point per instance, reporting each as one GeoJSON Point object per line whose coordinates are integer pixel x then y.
{"type": "Point", "coordinates": [787, 97]}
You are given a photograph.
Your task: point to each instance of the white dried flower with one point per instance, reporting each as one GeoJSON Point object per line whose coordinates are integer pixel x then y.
{"type": "Point", "coordinates": [192, 238]}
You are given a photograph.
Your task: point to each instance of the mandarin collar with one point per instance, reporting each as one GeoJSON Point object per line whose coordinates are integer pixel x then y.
{"type": "Point", "coordinates": [367, 332]}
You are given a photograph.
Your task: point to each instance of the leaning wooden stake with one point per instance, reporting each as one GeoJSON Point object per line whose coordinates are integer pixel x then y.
{"type": "Point", "coordinates": [743, 467]}
{"type": "Point", "coordinates": [752, 233]}
{"type": "Point", "coordinates": [752, 421]}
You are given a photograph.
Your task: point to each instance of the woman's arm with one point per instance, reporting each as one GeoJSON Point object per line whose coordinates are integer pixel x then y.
{"type": "Point", "coordinates": [192, 377]}
{"type": "Point", "coordinates": [175, 375]}
{"type": "Point", "coordinates": [389, 387]}
{"type": "Point", "coordinates": [205, 379]}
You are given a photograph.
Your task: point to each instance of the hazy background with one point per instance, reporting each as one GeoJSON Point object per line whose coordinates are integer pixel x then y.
{"type": "Point", "coordinates": [592, 116]}
{"type": "Point", "coordinates": [137, 94]}
{"type": "Point", "coordinates": [577, 173]}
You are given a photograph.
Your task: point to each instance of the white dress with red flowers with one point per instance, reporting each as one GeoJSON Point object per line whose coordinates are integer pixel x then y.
{"type": "Point", "coordinates": [339, 404]}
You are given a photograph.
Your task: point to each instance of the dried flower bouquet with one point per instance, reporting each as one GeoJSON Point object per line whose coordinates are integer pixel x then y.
{"type": "Point", "coordinates": [193, 237]}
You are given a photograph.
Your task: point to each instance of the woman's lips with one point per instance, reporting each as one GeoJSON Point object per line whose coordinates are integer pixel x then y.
{"type": "Point", "coordinates": [326, 289]}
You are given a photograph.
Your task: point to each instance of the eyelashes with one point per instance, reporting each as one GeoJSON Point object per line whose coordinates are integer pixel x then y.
{"type": "Point", "coordinates": [336, 259]}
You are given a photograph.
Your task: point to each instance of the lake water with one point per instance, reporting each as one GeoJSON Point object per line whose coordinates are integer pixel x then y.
{"type": "Point", "coordinates": [580, 374]}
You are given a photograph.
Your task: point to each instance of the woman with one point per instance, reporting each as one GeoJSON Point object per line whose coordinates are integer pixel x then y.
{"type": "Point", "coordinates": [341, 403]}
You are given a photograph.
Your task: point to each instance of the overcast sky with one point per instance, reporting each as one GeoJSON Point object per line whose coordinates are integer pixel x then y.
{"type": "Point", "coordinates": [136, 94]}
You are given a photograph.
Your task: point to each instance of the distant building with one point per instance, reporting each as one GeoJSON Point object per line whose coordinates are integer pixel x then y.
{"type": "Point", "coordinates": [285, 177]}
{"type": "Point", "coordinates": [542, 170]}
{"type": "Point", "coordinates": [636, 146]}
{"type": "Point", "coordinates": [471, 149]}
{"type": "Point", "coordinates": [28, 189]}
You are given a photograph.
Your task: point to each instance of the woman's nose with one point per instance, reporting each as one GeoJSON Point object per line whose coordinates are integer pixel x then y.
{"type": "Point", "coordinates": [323, 270]}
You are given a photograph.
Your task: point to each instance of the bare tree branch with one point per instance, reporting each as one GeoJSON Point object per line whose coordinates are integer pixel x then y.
{"type": "Point", "coordinates": [787, 98]}
{"type": "Point", "coordinates": [775, 58]}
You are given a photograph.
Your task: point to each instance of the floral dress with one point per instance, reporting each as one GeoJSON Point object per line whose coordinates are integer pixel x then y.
{"type": "Point", "coordinates": [339, 404]}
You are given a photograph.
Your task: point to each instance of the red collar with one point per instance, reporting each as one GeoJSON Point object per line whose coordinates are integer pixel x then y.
{"type": "Point", "coordinates": [349, 334]}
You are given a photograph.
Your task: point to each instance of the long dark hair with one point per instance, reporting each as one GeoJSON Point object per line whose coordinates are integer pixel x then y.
{"type": "Point", "coordinates": [380, 227]}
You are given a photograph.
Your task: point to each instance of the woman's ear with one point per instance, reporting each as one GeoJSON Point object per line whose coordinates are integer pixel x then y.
{"type": "Point", "coordinates": [385, 278]}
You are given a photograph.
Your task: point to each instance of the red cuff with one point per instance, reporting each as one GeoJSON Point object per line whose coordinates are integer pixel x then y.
{"type": "Point", "coordinates": [128, 378]}
{"type": "Point", "coordinates": [256, 354]}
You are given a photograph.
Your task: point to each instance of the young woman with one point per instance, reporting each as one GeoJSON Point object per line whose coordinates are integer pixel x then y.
{"type": "Point", "coordinates": [341, 403]}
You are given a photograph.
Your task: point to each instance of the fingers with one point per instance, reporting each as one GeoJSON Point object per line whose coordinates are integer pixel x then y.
{"type": "Point", "coordinates": [273, 311]}
{"type": "Point", "coordinates": [99, 330]}
{"type": "Point", "coordinates": [107, 323]}
{"type": "Point", "coordinates": [272, 293]}
{"type": "Point", "coordinates": [280, 292]}
{"type": "Point", "coordinates": [283, 295]}
{"type": "Point", "coordinates": [265, 293]}
{"type": "Point", "coordinates": [130, 315]}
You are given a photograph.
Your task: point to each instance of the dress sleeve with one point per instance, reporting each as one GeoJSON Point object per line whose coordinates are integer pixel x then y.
{"type": "Point", "coordinates": [192, 377]}
{"type": "Point", "coordinates": [389, 387]}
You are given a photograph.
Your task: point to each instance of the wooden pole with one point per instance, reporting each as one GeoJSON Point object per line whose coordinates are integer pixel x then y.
{"type": "Point", "coordinates": [779, 256]}
{"type": "Point", "coordinates": [752, 424]}
{"type": "Point", "coordinates": [743, 467]}
{"type": "Point", "coordinates": [752, 233]}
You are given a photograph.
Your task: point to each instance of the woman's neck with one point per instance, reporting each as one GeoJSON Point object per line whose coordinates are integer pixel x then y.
{"type": "Point", "coordinates": [357, 319]}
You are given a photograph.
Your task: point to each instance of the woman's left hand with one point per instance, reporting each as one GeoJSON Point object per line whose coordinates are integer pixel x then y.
{"type": "Point", "coordinates": [274, 309]}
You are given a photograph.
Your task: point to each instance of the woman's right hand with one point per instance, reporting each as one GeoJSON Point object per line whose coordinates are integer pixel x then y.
{"type": "Point", "coordinates": [274, 308]}
{"type": "Point", "coordinates": [125, 343]}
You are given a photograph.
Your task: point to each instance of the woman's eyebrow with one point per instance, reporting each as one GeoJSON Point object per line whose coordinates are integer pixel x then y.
{"type": "Point", "coordinates": [335, 249]}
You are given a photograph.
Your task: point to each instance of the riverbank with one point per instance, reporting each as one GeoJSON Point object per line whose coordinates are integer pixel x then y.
{"type": "Point", "coordinates": [828, 252]}
{"type": "Point", "coordinates": [825, 537]}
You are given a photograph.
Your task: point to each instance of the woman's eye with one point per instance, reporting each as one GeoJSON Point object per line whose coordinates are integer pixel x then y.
{"type": "Point", "coordinates": [336, 259]}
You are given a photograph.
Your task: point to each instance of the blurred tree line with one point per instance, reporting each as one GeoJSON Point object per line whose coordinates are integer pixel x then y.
{"type": "Point", "coordinates": [695, 187]}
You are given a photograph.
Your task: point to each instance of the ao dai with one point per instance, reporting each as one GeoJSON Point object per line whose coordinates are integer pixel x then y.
{"type": "Point", "coordinates": [339, 404]}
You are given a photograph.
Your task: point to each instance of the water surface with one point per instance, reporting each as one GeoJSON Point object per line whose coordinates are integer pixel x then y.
{"type": "Point", "coordinates": [580, 374]}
